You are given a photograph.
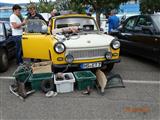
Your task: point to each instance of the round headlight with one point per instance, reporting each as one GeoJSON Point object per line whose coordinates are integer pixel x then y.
{"type": "Point", "coordinates": [59, 47]}
{"type": "Point", "coordinates": [69, 58]}
{"type": "Point", "coordinates": [115, 44]}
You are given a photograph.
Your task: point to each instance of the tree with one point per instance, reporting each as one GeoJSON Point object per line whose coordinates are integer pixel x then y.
{"type": "Point", "coordinates": [62, 4]}
{"type": "Point", "coordinates": [103, 5]}
{"type": "Point", "coordinates": [45, 6]}
{"type": "Point", "coordinates": [98, 6]}
{"type": "Point", "coordinates": [77, 6]}
{"type": "Point", "coordinates": [149, 6]}
{"type": "Point", "coordinates": [74, 5]}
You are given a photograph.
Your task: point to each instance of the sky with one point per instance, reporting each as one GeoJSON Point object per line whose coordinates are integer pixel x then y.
{"type": "Point", "coordinates": [19, 1]}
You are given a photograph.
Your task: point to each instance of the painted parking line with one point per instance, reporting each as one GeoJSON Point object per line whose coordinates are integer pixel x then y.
{"type": "Point", "coordinates": [7, 77]}
{"type": "Point", "coordinates": [140, 81]}
{"type": "Point", "coordinates": [126, 81]}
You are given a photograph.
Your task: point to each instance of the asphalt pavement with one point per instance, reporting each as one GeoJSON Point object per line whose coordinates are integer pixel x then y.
{"type": "Point", "coordinates": [139, 100]}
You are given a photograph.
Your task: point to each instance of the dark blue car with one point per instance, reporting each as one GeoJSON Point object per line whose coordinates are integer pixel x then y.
{"type": "Point", "coordinates": [7, 45]}
{"type": "Point", "coordinates": [140, 35]}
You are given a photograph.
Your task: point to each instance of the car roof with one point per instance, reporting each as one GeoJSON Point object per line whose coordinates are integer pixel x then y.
{"type": "Point", "coordinates": [4, 21]}
{"type": "Point", "coordinates": [155, 14]}
{"type": "Point", "coordinates": [145, 15]}
{"type": "Point", "coordinates": [72, 15]}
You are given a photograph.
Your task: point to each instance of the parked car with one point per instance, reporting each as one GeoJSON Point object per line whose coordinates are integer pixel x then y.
{"type": "Point", "coordinates": [140, 35]}
{"type": "Point", "coordinates": [7, 45]}
{"type": "Point", "coordinates": [86, 49]}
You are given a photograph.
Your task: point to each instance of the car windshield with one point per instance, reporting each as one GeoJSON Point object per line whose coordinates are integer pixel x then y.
{"type": "Point", "coordinates": [156, 19]}
{"type": "Point", "coordinates": [86, 24]}
{"type": "Point", "coordinates": [34, 26]}
{"type": "Point", "coordinates": [1, 30]}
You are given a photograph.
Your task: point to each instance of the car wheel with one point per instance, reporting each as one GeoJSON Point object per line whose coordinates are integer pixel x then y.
{"type": "Point", "coordinates": [47, 85]}
{"type": "Point", "coordinates": [3, 61]}
{"type": "Point", "coordinates": [108, 67]}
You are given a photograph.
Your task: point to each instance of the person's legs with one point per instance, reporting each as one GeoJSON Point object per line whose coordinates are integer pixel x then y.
{"type": "Point", "coordinates": [18, 41]}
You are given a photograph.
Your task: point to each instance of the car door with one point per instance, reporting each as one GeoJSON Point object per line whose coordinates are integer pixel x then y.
{"type": "Point", "coordinates": [126, 35]}
{"type": "Point", "coordinates": [35, 43]}
{"type": "Point", "coordinates": [156, 22]}
{"type": "Point", "coordinates": [10, 43]}
{"type": "Point", "coordinates": [144, 37]}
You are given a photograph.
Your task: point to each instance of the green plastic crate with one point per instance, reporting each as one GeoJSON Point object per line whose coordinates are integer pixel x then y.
{"type": "Point", "coordinates": [84, 79]}
{"type": "Point", "coordinates": [22, 74]}
{"type": "Point", "coordinates": [37, 78]}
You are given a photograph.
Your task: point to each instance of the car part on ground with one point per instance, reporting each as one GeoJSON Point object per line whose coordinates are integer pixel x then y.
{"type": "Point", "coordinates": [47, 85]}
{"type": "Point", "coordinates": [101, 80]}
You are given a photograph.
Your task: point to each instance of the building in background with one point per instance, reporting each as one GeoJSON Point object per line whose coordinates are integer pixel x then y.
{"type": "Point", "coordinates": [6, 10]}
{"type": "Point", "coordinates": [130, 8]}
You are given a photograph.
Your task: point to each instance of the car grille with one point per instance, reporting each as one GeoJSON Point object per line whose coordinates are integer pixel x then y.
{"type": "Point", "coordinates": [83, 54]}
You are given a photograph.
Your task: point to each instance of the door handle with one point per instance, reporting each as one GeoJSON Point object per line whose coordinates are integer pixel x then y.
{"type": "Point", "coordinates": [124, 34]}
{"type": "Point", "coordinates": [24, 37]}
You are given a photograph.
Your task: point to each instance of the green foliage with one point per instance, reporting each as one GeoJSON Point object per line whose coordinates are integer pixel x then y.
{"type": "Point", "coordinates": [62, 5]}
{"type": "Point", "coordinates": [74, 5]}
{"type": "Point", "coordinates": [45, 6]}
{"type": "Point", "coordinates": [149, 6]}
{"type": "Point", "coordinates": [100, 6]}
{"type": "Point", "coordinates": [77, 6]}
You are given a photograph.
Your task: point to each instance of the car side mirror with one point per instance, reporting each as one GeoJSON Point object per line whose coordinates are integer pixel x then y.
{"type": "Point", "coordinates": [114, 32]}
{"type": "Point", "coordinates": [9, 32]}
{"type": "Point", "coordinates": [120, 27]}
{"type": "Point", "coordinates": [44, 29]}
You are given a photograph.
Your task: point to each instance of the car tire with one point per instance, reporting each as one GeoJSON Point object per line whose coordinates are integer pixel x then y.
{"type": "Point", "coordinates": [3, 60]}
{"type": "Point", "coordinates": [47, 85]}
{"type": "Point", "coordinates": [108, 67]}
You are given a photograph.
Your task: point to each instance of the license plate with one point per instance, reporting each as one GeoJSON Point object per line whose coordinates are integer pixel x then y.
{"type": "Point", "coordinates": [91, 65]}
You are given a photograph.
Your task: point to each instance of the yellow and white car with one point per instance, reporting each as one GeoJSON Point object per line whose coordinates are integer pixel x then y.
{"type": "Point", "coordinates": [88, 48]}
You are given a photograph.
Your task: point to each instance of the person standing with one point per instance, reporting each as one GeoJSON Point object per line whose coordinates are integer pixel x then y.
{"type": "Point", "coordinates": [53, 13]}
{"type": "Point", "coordinates": [32, 13]}
{"type": "Point", "coordinates": [17, 31]}
{"type": "Point", "coordinates": [113, 22]}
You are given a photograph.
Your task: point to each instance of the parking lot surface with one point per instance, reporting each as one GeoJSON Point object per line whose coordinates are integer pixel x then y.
{"type": "Point", "coordinates": [139, 100]}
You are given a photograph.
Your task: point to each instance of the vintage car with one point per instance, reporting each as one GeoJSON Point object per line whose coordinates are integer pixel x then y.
{"type": "Point", "coordinates": [140, 35]}
{"type": "Point", "coordinates": [7, 45]}
{"type": "Point", "coordinates": [88, 48]}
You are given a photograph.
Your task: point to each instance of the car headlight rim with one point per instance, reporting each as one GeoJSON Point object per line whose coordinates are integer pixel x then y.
{"type": "Point", "coordinates": [58, 44]}
{"type": "Point", "coordinates": [115, 44]}
{"type": "Point", "coordinates": [69, 58]}
{"type": "Point", "coordinates": [108, 55]}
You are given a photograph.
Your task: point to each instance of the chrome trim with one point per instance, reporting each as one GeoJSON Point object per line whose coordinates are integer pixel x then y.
{"type": "Point", "coordinates": [87, 53]}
